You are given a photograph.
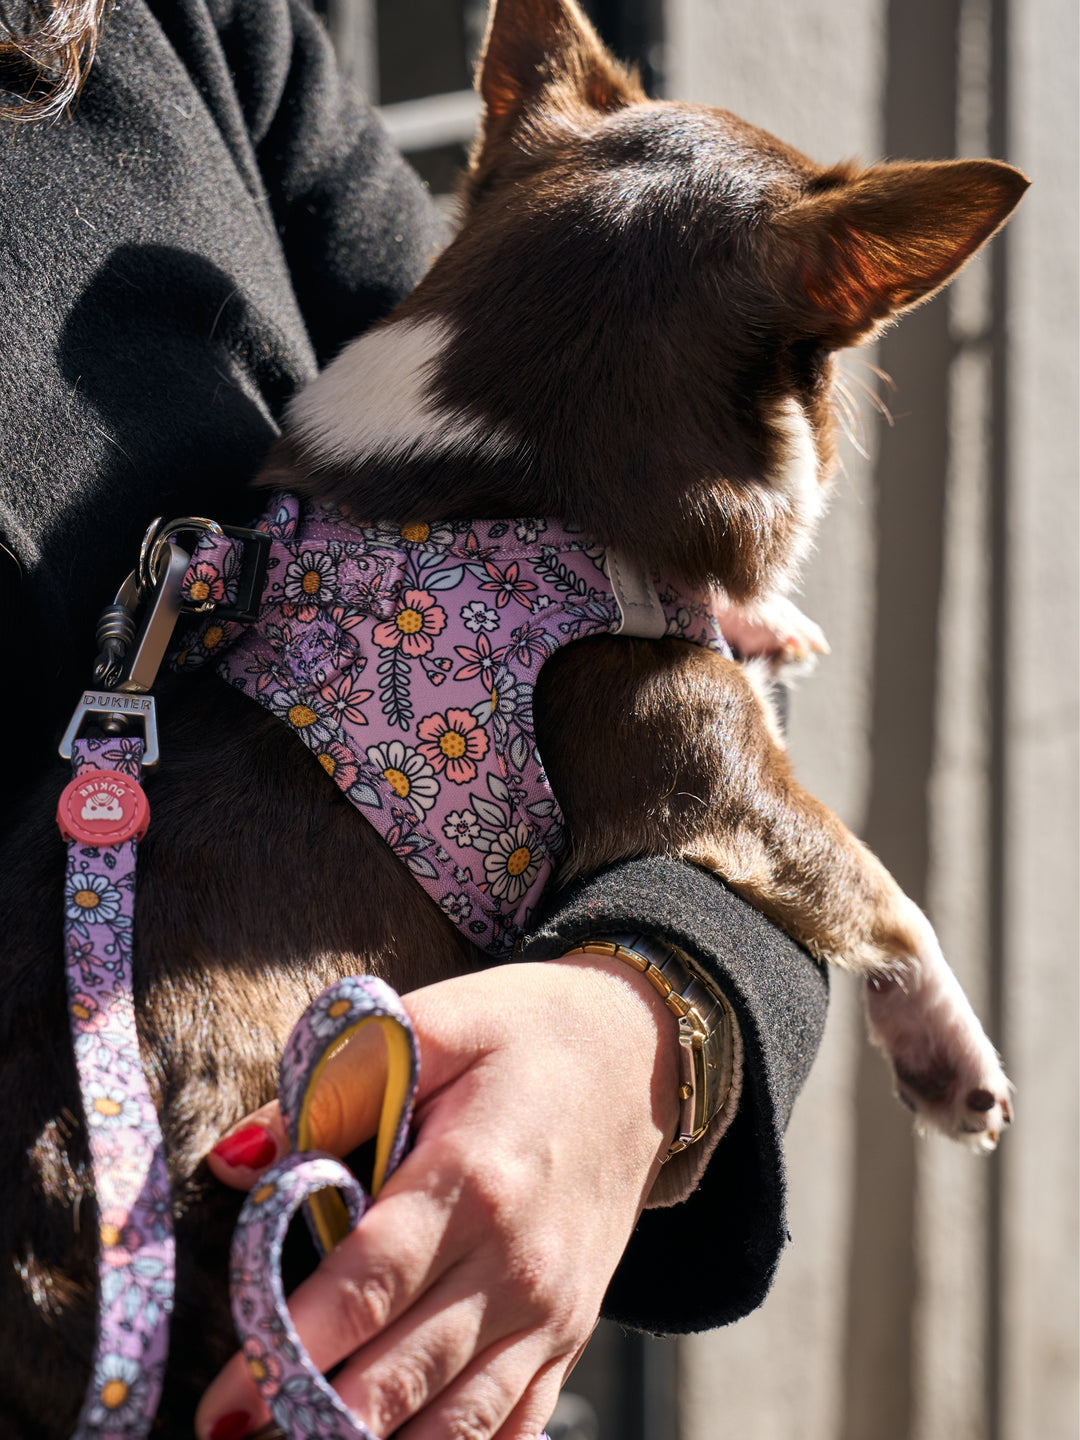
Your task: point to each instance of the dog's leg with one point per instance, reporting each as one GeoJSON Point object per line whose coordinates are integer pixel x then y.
{"type": "Point", "coordinates": [674, 750]}
{"type": "Point", "coordinates": [945, 1067]}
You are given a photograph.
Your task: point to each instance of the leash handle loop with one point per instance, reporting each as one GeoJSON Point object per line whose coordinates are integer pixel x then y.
{"type": "Point", "coordinates": [301, 1401]}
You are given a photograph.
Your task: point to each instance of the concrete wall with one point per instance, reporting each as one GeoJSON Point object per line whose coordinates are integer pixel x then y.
{"type": "Point", "coordinates": [928, 1295]}
{"type": "Point", "coordinates": [1039, 1269]}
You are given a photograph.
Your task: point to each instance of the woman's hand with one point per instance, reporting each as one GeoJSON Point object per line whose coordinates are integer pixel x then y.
{"type": "Point", "coordinates": [547, 1099]}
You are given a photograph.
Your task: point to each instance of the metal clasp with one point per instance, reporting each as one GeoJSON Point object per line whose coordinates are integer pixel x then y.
{"type": "Point", "coordinates": [118, 711]}
{"type": "Point", "coordinates": [142, 662]}
{"type": "Point", "coordinates": [129, 701]}
{"type": "Point", "coordinates": [158, 574]}
{"type": "Point", "coordinates": [158, 535]}
{"type": "Point", "coordinates": [254, 557]}
{"type": "Point", "coordinates": [129, 658]}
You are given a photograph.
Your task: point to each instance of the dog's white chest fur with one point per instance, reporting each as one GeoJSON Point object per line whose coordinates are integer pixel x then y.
{"type": "Point", "coordinates": [374, 401]}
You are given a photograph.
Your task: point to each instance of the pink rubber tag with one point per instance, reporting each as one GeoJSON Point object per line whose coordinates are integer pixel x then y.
{"type": "Point", "coordinates": [103, 807]}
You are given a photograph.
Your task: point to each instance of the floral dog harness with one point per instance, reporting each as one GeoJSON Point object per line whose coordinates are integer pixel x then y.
{"type": "Point", "coordinates": [406, 658]}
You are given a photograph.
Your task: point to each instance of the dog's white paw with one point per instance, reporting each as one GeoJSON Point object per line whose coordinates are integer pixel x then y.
{"type": "Point", "coordinates": [946, 1070]}
{"type": "Point", "coordinates": [773, 628]}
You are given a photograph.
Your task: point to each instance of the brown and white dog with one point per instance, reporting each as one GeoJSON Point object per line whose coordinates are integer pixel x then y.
{"type": "Point", "coordinates": [635, 330]}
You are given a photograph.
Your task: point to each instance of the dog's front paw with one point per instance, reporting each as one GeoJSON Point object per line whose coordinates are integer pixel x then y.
{"type": "Point", "coordinates": [946, 1070]}
{"type": "Point", "coordinates": [772, 628]}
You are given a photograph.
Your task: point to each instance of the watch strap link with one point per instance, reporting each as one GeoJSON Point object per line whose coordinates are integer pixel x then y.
{"type": "Point", "coordinates": [705, 1019]}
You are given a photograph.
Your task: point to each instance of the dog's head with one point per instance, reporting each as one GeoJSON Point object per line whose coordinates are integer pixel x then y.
{"type": "Point", "coordinates": [635, 327]}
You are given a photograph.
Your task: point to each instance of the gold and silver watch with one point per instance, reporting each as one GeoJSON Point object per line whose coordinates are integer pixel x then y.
{"type": "Point", "coordinates": [706, 1027]}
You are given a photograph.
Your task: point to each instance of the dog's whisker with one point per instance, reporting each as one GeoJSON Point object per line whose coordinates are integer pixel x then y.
{"type": "Point", "coordinates": [874, 396]}
{"type": "Point", "coordinates": [850, 417]}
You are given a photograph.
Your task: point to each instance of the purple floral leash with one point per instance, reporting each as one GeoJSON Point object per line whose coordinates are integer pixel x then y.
{"type": "Point", "coordinates": [103, 814]}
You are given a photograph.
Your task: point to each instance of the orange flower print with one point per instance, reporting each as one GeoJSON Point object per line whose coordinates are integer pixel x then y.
{"type": "Point", "coordinates": [344, 698]}
{"type": "Point", "coordinates": [339, 764]}
{"type": "Point", "coordinates": [87, 1015]}
{"type": "Point", "coordinates": [453, 742]}
{"type": "Point", "coordinates": [119, 1237]}
{"type": "Point", "coordinates": [508, 585]}
{"type": "Point", "coordinates": [205, 587]}
{"type": "Point", "coordinates": [265, 1367]}
{"type": "Point", "coordinates": [413, 626]}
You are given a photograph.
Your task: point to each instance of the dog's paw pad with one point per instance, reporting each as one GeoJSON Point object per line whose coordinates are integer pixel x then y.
{"type": "Point", "coordinates": [945, 1068]}
{"type": "Point", "coordinates": [984, 1114]}
{"type": "Point", "coordinates": [803, 640]}
{"type": "Point", "coordinates": [940, 1097]}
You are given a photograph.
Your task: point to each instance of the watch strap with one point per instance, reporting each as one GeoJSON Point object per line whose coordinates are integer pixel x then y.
{"type": "Point", "coordinates": [706, 1026]}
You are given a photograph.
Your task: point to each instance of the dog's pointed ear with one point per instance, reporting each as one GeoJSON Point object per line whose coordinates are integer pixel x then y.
{"type": "Point", "coordinates": [872, 244]}
{"type": "Point", "coordinates": [532, 44]}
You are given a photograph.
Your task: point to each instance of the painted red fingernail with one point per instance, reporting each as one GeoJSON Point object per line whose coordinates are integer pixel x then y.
{"type": "Point", "coordinates": [252, 1147]}
{"type": "Point", "coordinates": [236, 1423]}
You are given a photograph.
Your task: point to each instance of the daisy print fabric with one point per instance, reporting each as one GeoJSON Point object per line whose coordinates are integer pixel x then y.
{"type": "Point", "coordinates": [136, 1260]}
{"type": "Point", "coordinates": [405, 658]}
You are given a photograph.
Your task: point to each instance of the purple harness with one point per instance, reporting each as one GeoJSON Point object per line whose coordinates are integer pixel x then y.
{"type": "Point", "coordinates": [406, 660]}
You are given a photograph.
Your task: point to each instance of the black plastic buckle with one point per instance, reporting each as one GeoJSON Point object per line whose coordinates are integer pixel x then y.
{"type": "Point", "coordinates": [252, 577]}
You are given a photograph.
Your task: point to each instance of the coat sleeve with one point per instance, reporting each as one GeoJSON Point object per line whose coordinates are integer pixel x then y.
{"type": "Point", "coordinates": [711, 1258]}
{"type": "Point", "coordinates": [357, 226]}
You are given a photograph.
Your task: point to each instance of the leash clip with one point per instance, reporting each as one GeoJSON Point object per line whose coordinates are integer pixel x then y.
{"type": "Point", "coordinates": [157, 576]}
{"type": "Point", "coordinates": [140, 665]}
{"type": "Point", "coordinates": [118, 710]}
{"type": "Point", "coordinates": [158, 535]}
{"type": "Point", "coordinates": [129, 660]}
{"type": "Point", "coordinates": [254, 557]}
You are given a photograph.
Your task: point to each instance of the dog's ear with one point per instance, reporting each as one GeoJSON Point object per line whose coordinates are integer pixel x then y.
{"type": "Point", "coordinates": [871, 244]}
{"type": "Point", "coordinates": [535, 45]}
